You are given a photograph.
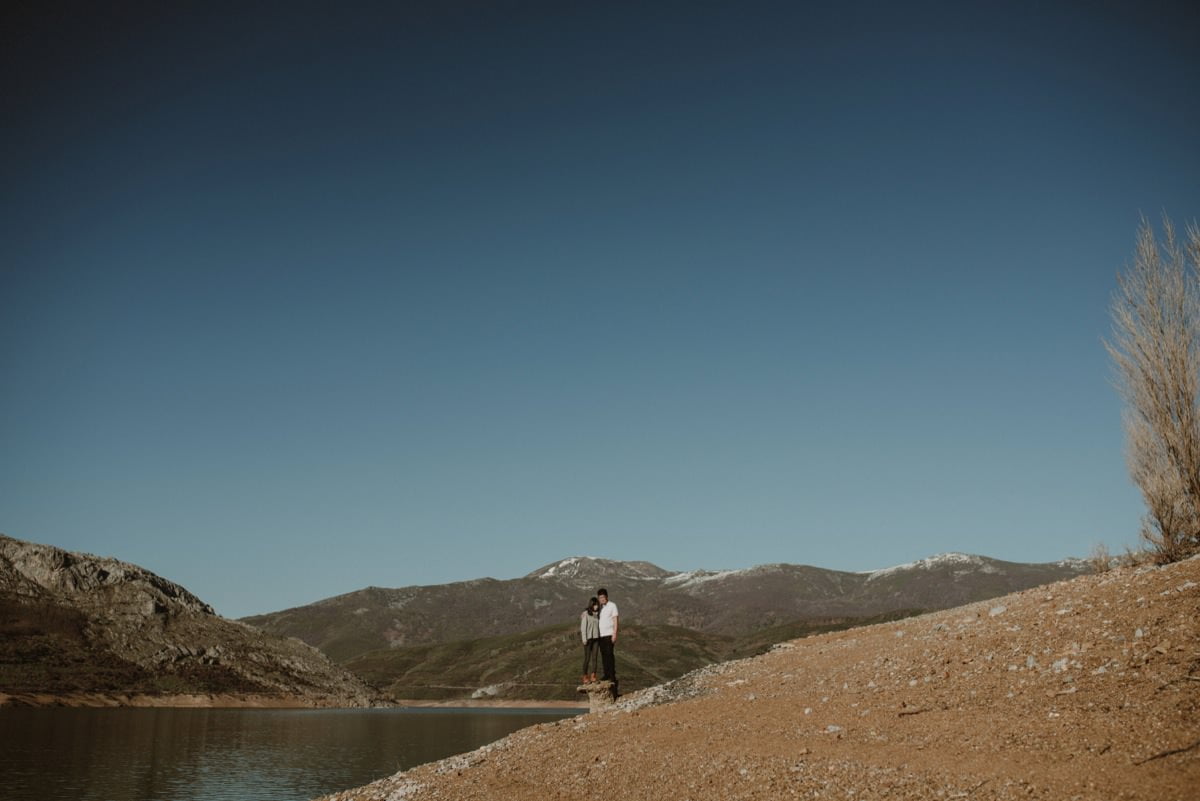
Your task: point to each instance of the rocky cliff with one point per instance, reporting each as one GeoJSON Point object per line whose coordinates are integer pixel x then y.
{"type": "Point", "coordinates": [77, 628]}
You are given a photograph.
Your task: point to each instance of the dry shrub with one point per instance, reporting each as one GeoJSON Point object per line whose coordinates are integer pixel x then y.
{"type": "Point", "coordinates": [1156, 353]}
{"type": "Point", "coordinates": [1100, 560]}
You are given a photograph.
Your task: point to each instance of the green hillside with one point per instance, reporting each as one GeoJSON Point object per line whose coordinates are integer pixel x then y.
{"type": "Point", "coordinates": [545, 663]}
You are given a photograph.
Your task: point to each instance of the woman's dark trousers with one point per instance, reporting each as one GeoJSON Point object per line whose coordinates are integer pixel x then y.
{"type": "Point", "coordinates": [591, 651]}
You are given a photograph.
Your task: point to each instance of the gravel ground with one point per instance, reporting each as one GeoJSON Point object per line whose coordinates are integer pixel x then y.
{"type": "Point", "coordinates": [1086, 689]}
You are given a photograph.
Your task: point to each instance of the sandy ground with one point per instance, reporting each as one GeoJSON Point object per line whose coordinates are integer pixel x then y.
{"type": "Point", "coordinates": [1087, 689]}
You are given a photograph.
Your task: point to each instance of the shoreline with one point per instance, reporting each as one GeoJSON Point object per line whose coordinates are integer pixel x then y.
{"type": "Point", "coordinates": [231, 701]}
{"type": "Point", "coordinates": [474, 703]}
{"type": "Point", "coordinates": [173, 701]}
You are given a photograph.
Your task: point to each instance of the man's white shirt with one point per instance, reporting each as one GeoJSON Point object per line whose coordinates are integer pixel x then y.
{"type": "Point", "coordinates": [607, 613]}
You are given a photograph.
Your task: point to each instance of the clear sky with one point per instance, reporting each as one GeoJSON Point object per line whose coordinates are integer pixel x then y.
{"type": "Point", "coordinates": [306, 298]}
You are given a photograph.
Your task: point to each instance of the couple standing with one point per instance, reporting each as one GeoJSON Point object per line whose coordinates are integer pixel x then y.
{"type": "Point", "coordinates": [598, 629]}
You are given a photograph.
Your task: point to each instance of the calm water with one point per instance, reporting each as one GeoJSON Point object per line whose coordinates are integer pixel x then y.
{"type": "Point", "coordinates": [229, 754]}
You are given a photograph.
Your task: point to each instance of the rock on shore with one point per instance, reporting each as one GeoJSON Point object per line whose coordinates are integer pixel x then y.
{"type": "Point", "coordinates": [1084, 689]}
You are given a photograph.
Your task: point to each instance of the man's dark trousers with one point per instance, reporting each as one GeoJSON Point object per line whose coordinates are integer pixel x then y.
{"type": "Point", "coordinates": [609, 662]}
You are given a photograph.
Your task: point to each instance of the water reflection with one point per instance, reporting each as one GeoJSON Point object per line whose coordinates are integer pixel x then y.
{"type": "Point", "coordinates": [229, 754]}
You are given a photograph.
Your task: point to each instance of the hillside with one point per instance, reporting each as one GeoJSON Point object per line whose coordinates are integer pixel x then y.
{"type": "Point", "coordinates": [729, 602]}
{"type": "Point", "coordinates": [544, 664]}
{"type": "Point", "coordinates": [82, 629]}
{"type": "Point", "coordinates": [1086, 689]}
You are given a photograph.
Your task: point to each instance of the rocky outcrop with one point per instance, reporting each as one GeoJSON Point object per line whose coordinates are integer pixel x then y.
{"type": "Point", "coordinates": [75, 624]}
{"type": "Point", "coordinates": [39, 570]}
{"type": "Point", "coordinates": [599, 695]}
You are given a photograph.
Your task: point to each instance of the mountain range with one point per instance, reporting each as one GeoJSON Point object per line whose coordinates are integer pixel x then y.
{"type": "Point", "coordinates": [731, 603]}
{"type": "Point", "coordinates": [77, 628]}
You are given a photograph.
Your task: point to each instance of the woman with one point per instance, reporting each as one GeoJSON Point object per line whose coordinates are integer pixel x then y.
{"type": "Point", "coordinates": [589, 632]}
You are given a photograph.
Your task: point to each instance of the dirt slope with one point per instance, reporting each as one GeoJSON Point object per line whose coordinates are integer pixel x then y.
{"type": "Point", "coordinates": [1086, 689]}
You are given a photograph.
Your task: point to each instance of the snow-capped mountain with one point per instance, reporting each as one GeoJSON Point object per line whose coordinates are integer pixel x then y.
{"type": "Point", "coordinates": [593, 569]}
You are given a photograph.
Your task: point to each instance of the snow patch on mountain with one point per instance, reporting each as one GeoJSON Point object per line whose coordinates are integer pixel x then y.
{"type": "Point", "coordinates": [592, 567]}
{"type": "Point", "coordinates": [964, 561]}
{"type": "Point", "coordinates": [693, 578]}
{"type": "Point", "coordinates": [567, 567]}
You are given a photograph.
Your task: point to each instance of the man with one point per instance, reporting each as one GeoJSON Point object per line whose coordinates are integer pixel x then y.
{"type": "Point", "coordinates": [609, 624]}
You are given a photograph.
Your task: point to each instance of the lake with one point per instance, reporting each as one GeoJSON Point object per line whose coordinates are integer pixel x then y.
{"type": "Point", "coordinates": [231, 754]}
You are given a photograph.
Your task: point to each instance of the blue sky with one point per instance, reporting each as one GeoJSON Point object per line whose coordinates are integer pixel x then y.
{"type": "Point", "coordinates": [297, 300]}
